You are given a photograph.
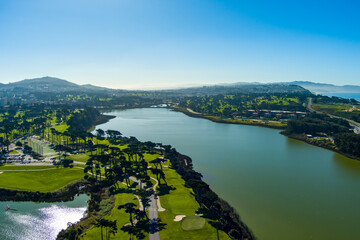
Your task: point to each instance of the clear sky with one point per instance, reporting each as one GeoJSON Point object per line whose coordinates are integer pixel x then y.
{"type": "Point", "coordinates": [165, 43]}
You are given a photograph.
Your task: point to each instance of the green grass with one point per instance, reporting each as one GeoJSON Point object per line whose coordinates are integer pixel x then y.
{"type": "Point", "coordinates": [180, 201]}
{"type": "Point", "coordinates": [330, 108]}
{"type": "Point", "coordinates": [14, 152]}
{"type": "Point", "coordinates": [61, 127]}
{"type": "Point", "coordinates": [25, 167]}
{"type": "Point", "coordinates": [81, 157]}
{"type": "Point", "coordinates": [191, 223]}
{"type": "Point", "coordinates": [120, 216]}
{"type": "Point", "coordinates": [42, 181]}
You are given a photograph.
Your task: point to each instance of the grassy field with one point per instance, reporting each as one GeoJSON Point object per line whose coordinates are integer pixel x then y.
{"type": "Point", "coordinates": [349, 111]}
{"type": "Point", "coordinates": [61, 127]}
{"type": "Point", "coordinates": [193, 222]}
{"type": "Point", "coordinates": [180, 201]}
{"type": "Point", "coordinates": [81, 157]}
{"type": "Point", "coordinates": [42, 181]}
{"type": "Point", "coordinates": [25, 167]}
{"type": "Point", "coordinates": [330, 108]}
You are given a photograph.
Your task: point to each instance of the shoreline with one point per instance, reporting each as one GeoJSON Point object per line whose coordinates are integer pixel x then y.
{"type": "Point", "coordinates": [302, 138]}
{"type": "Point", "coordinates": [100, 120]}
{"type": "Point", "coordinates": [229, 121]}
{"type": "Point", "coordinates": [64, 194]}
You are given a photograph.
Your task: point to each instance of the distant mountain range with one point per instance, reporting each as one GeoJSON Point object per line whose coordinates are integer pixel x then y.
{"type": "Point", "coordinates": [51, 84]}
{"type": "Point", "coordinates": [324, 88]}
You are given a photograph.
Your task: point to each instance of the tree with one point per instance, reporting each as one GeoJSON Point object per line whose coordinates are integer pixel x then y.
{"type": "Point", "coordinates": [145, 195]}
{"type": "Point", "coordinates": [158, 162]}
{"type": "Point", "coordinates": [110, 227]}
{"type": "Point", "coordinates": [131, 209]}
{"type": "Point", "coordinates": [100, 133]}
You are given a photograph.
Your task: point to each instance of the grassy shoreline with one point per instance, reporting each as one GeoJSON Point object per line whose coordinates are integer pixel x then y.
{"type": "Point", "coordinates": [303, 138]}
{"type": "Point", "coordinates": [226, 120]}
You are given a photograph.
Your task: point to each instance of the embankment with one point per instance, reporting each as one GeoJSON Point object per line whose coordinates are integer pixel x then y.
{"type": "Point", "coordinates": [225, 120]}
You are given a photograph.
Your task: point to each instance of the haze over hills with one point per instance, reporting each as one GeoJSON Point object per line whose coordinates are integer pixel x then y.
{"type": "Point", "coordinates": [51, 84]}
{"type": "Point", "coordinates": [57, 85]}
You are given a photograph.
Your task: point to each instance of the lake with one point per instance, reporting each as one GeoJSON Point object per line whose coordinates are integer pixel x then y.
{"type": "Point", "coordinates": [34, 221]}
{"type": "Point", "coordinates": [282, 188]}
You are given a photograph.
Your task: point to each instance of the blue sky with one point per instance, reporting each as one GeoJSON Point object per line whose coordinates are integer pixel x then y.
{"type": "Point", "coordinates": [168, 43]}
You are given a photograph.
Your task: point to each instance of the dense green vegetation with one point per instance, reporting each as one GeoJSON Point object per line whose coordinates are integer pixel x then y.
{"type": "Point", "coordinates": [318, 123]}
{"type": "Point", "coordinates": [348, 143]}
{"type": "Point", "coordinates": [322, 129]}
{"type": "Point", "coordinates": [237, 104]}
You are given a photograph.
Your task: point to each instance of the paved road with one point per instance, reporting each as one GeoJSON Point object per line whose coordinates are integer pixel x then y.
{"type": "Point", "coordinates": [153, 220]}
{"type": "Point", "coordinates": [153, 216]}
{"type": "Point", "coordinates": [352, 123]}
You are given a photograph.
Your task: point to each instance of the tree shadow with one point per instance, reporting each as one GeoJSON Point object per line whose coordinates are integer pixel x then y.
{"type": "Point", "coordinates": [164, 189]}
{"type": "Point", "coordinates": [155, 225]}
{"type": "Point", "coordinates": [151, 226]}
{"type": "Point", "coordinates": [123, 190]}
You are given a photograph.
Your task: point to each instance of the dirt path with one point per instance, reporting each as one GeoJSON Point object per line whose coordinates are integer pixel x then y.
{"type": "Point", "coordinates": [160, 209]}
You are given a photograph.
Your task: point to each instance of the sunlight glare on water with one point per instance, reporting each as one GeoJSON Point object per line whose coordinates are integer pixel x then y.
{"type": "Point", "coordinates": [34, 221]}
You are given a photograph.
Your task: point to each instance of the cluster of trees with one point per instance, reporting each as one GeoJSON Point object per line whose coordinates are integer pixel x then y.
{"type": "Point", "coordinates": [348, 143]}
{"type": "Point", "coordinates": [110, 166]}
{"type": "Point", "coordinates": [83, 119]}
{"type": "Point", "coordinates": [16, 122]}
{"type": "Point", "coordinates": [317, 123]}
{"type": "Point", "coordinates": [345, 139]}
{"type": "Point", "coordinates": [98, 99]}
{"type": "Point", "coordinates": [227, 105]}
{"type": "Point", "coordinates": [21, 121]}
{"type": "Point", "coordinates": [330, 100]}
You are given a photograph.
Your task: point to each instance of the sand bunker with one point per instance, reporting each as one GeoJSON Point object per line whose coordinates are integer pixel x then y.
{"type": "Point", "coordinates": [1, 172]}
{"type": "Point", "coordinates": [178, 218]}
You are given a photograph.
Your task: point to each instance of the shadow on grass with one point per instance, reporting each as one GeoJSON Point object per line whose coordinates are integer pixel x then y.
{"type": "Point", "coordinates": [164, 189]}
{"type": "Point", "coordinates": [143, 226]}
